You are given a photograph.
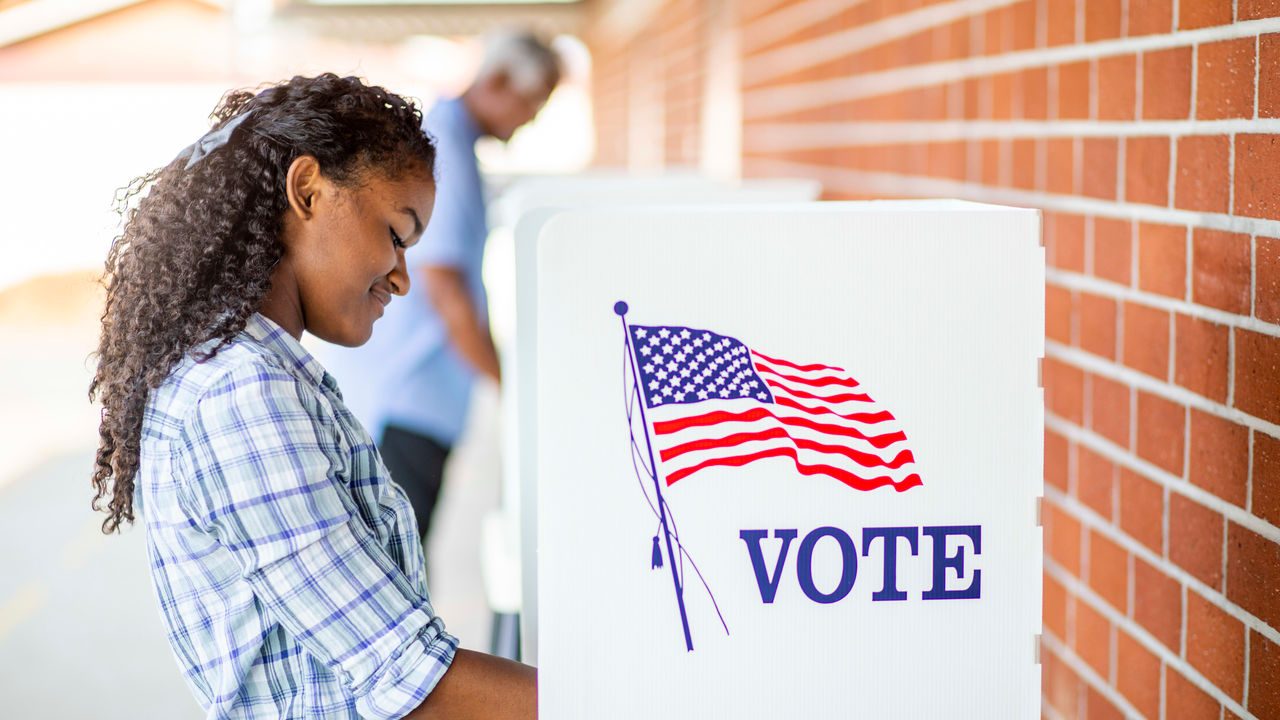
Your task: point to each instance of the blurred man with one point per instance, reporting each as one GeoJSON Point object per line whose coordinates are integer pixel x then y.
{"type": "Point", "coordinates": [411, 383]}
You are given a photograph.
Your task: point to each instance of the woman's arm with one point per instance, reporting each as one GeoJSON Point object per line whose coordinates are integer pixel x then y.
{"type": "Point", "coordinates": [482, 687]}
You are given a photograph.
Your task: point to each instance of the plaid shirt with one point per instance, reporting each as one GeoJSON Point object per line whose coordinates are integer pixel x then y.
{"type": "Point", "coordinates": [286, 562]}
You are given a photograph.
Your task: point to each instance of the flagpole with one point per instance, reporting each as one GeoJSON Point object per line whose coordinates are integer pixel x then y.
{"type": "Point", "coordinates": [621, 309]}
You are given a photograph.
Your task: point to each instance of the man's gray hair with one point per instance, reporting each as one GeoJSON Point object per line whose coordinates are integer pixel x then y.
{"type": "Point", "coordinates": [530, 65]}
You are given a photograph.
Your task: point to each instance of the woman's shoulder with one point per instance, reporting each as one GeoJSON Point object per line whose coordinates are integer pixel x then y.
{"type": "Point", "coordinates": [240, 367]}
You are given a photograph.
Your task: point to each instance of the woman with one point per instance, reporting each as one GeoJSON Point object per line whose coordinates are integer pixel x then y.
{"type": "Point", "coordinates": [286, 563]}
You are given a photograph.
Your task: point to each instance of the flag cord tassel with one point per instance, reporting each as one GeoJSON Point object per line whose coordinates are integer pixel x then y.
{"type": "Point", "coordinates": [621, 309]}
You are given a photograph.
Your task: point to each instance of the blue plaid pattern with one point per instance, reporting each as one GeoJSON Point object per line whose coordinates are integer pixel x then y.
{"type": "Point", "coordinates": [286, 562]}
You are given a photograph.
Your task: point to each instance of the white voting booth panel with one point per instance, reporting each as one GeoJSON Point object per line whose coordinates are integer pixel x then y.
{"type": "Point", "coordinates": [842, 404]}
{"type": "Point", "coordinates": [508, 537]}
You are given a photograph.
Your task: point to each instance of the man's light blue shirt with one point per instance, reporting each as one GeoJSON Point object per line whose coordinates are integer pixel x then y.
{"type": "Point", "coordinates": [408, 374]}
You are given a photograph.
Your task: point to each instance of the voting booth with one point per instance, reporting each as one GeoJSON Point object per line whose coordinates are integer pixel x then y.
{"type": "Point", "coordinates": [788, 459]}
{"type": "Point", "coordinates": [508, 534]}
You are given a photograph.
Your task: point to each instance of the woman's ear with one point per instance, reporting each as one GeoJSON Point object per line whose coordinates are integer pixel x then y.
{"type": "Point", "coordinates": [303, 185]}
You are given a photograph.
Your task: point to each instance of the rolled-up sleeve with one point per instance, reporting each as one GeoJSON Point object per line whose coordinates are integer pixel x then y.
{"type": "Point", "coordinates": [267, 479]}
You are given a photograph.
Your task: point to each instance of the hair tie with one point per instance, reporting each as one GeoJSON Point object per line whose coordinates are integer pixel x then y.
{"type": "Point", "coordinates": [211, 141]}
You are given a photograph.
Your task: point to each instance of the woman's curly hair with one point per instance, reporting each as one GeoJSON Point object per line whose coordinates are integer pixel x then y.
{"type": "Point", "coordinates": [195, 256]}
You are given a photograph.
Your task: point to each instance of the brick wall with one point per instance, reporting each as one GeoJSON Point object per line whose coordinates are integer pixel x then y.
{"type": "Point", "coordinates": [1146, 131]}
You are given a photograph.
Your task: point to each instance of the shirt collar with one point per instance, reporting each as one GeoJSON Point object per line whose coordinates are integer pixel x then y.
{"type": "Point", "coordinates": [296, 358]}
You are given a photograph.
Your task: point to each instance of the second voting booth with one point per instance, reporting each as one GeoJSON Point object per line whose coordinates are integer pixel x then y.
{"type": "Point", "coordinates": [787, 459]}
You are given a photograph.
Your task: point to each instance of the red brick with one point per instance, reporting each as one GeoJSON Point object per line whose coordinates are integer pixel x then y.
{"type": "Point", "coordinates": [1257, 176]}
{"type": "Point", "coordinates": [1162, 259]}
{"type": "Point", "coordinates": [1109, 571]}
{"type": "Point", "coordinates": [1157, 603]}
{"type": "Point", "coordinates": [1034, 83]}
{"type": "Point", "coordinates": [1161, 432]}
{"type": "Point", "coordinates": [1098, 324]}
{"type": "Point", "coordinates": [1220, 270]}
{"type": "Point", "coordinates": [1064, 390]}
{"type": "Point", "coordinates": [992, 153]}
{"type": "Point", "coordinates": [1110, 409]}
{"type": "Point", "coordinates": [1224, 79]}
{"type": "Point", "coordinates": [1093, 638]}
{"type": "Point", "coordinates": [1166, 84]}
{"type": "Point", "coordinates": [1219, 457]}
{"type": "Point", "coordinates": [1062, 686]}
{"type": "Point", "coordinates": [1264, 676]}
{"type": "Point", "coordinates": [1024, 164]}
{"type": "Point", "coordinates": [1062, 22]}
{"type": "Point", "coordinates": [1142, 510]}
{"type": "Point", "coordinates": [1065, 236]}
{"type": "Point", "coordinates": [1146, 170]}
{"type": "Point", "coordinates": [1100, 161]}
{"type": "Point", "coordinates": [1147, 17]}
{"type": "Point", "coordinates": [1215, 645]}
{"type": "Point", "coordinates": [1113, 250]}
{"type": "Point", "coordinates": [1204, 174]}
{"type": "Point", "coordinates": [1138, 675]}
{"type": "Point", "coordinates": [1055, 606]}
{"type": "Point", "coordinates": [1185, 701]}
{"type": "Point", "coordinates": [1098, 707]}
{"type": "Point", "coordinates": [1101, 19]}
{"type": "Point", "coordinates": [1095, 481]}
{"type": "Point", "coordinates": [1061, 172]}
{"type": "Point", "coordinates": [1057, 313]}
{"type": "Point", "coordinates": [1073, 90]}
{"type": "Point", "coordinates": [1002, 96]}
{"type": "Point", "coordinates": [1255, 9]}
{"type": "Point", "coordinates": [1266, 477]}
{"type": "Point", "coordinates": [1269, 75]}
{"type": "Point", "coordinates": [1202, 356]}
{"type": "Point", "coordinates": [1056, 451]}
{"type": "Point", "coordinates": [1257, 374]}
{"type": "Point", "coordinates": [1253, 573]}
{"type": "Point", "coordinates": [1146, 340]}
{"type": "Point", "coordinates": [1266, 298]}
{"type": "Point", "coordinates": [1204, 13]}
{"type": "Point", "coordinates": [1024, 25]}
{"type": "Point", "coordinates": [1114, 79]}
{"type": "Point", "coordinates": [1062, 537]}
{"type": "Point", "coordinates": [1196, 545]}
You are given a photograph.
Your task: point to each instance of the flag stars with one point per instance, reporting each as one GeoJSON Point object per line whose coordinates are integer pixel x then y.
{"type": "Point", "coordinates": [641, 332]}
{"type": "Point", "coordinates": [702, 394]}
{"type": "Point", "coordinates": [667, 391]}
{"type": "Point", "coordinates": [685, 333]}
{"type": "Point", "coordinates": [645, 350]}
{"type": "Point", "coordinates": [664, 333]}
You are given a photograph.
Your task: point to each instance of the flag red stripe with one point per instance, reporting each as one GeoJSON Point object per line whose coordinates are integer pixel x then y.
{"type": "Point", "coordinates": [854, 481]}
{"type": "Point", "coordinates": [864, 459]}
{"type": "Point", "coordinates": [814, 382]}
{"type": "Point", "coordinates": [666, 427]}
{"type": "Point", "coordinates": [793, 366]}
{"type": "Point", "coordinates": [874, 417]}
{"type": "Point", "coordinates": [845, 397]}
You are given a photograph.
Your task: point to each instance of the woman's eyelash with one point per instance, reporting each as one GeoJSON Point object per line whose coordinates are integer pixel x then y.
{"type": "Point", "coordinates": [396, 239]}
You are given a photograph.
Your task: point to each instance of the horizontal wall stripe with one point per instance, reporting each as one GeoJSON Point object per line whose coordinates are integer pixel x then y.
{"type": "Point", "coordinates": [792, 58]}
{"type": "Point", "coordinates": [764, 102]}
{"type": "Point", "coordinates": [783, 137]}
{"type": "Point", "coordinates": [859, 181]}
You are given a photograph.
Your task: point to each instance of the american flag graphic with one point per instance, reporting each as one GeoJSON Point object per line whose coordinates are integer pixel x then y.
{"type": "Point", "coordinates": [713, 401]}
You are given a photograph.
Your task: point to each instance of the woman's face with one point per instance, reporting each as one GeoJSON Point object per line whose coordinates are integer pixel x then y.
{"type": "Point", "coordinates": [345, 245]}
